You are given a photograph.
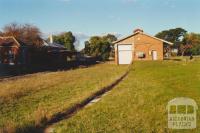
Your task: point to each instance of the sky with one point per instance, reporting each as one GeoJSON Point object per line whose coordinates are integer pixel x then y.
{"type": "Point", "coordinates": [87, 18]}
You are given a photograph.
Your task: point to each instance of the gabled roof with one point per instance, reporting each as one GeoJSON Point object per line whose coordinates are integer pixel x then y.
{"type": "Point", "coordinates": [122, 39]}
{"type": "Point", "coordinates": [8, 41]}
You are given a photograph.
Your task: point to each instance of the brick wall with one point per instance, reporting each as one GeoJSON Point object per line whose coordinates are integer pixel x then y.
{"type": "Point", "coordinates": [147, 44]}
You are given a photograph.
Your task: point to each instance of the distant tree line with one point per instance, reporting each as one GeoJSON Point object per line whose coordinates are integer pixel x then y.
{"type": "Point", "coordinates": [186, 43]}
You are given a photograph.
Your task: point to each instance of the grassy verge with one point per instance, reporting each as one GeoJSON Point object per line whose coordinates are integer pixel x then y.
{"type": "Point", "coordinates": [138, 104]}
{"type": "Point", "coordinates": [30, 101]}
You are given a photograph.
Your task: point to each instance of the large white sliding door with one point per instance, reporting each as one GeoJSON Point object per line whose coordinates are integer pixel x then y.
{"type": "Point", "coordinates": [125, 54]}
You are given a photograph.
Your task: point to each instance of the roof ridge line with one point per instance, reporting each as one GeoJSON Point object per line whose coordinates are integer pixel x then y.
{"type": "Point", "coordinates": [133, 34]}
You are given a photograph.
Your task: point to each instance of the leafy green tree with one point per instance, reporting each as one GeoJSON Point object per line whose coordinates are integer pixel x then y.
{"type": "Point", "coordinates": [111, 38]}
{"type": "Point", "coordinates": [99, 47]}
{"type": "Point", "coordinates": [87, 48]}
{"type": "Point", "coordinates": [173, 35]}
{"type": "Point", "coordinates": [191, 44]}
{"type": "Point", "coordinates": [67, 39]}
{"type": "Point", "coordinates": [195, 50]}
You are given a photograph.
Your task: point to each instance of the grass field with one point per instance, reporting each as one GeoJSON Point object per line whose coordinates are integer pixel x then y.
{"type": "Point", "coordinates": [29, 101]}
{"type": "Point", "coordinates": [138, 104]}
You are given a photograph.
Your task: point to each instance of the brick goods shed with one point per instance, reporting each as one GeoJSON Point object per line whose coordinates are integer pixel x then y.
{"type": "Point", "coordinates": [140, 46]}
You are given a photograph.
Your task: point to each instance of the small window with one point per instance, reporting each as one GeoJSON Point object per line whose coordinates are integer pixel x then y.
{"type": "Point", "coordinates": [141, 55]}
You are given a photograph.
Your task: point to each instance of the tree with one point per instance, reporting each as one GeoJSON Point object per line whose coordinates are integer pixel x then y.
{"type": "Point", "coordinates": [87, 49]}
{"type": "Point", "coordinates": [26, 34]}
{"type": "Point", "coordinates": [111, 38]}
{"type": "Point", "coordinates": [173, 35]}
{"type": "Point", "coordinates": [99, 47]}
{"type": "Point", "coordinates": [67, 39]}
{"type": "Point", "coordinates": [191, 44]}
{"type": "Point", "coordinates": [184, 47]}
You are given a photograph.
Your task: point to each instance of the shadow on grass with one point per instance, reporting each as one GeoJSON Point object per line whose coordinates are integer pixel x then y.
{"type": "Point", "coordinates": [177, 59]}
{"type": "Point", "coordinates": [173, 59]}
{"type": "Point", "coordinates": [28, 128]}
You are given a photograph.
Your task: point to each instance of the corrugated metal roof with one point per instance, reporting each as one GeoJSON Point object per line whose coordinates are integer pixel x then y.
{"type": "Point", "coordinates": [55, 45]}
